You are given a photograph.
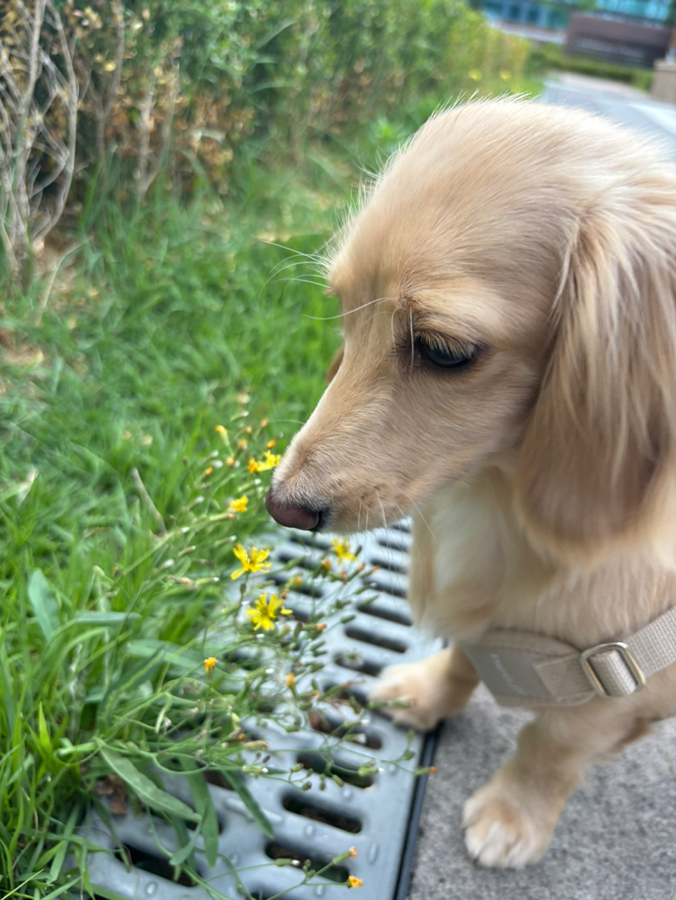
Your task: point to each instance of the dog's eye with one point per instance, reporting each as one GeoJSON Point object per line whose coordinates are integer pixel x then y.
{"type": "Point", "coordinates": [444, 356]}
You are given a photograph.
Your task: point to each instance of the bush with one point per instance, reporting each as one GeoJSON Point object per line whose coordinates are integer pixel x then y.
{"type": "Point", "coordinates": [551, 56]}
{"type": "Point", "coordinates": [180, 86]}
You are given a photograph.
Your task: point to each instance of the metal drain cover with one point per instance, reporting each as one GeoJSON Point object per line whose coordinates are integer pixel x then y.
{"type": "Point", "coordinates": [369, 813]}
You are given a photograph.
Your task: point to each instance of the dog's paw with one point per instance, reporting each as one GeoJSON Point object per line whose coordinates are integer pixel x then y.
{"type": "Point", "coordinates": [500, 829]}
{"type": "Point", "coordinates": [425, 686]}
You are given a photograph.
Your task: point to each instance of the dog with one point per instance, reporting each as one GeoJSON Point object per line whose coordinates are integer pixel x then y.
{"type": "Point", "coordinates": [508, 378]}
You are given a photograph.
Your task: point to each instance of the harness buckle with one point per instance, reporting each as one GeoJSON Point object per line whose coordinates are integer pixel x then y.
{"type": "Point", "coordinates": [627, 658]}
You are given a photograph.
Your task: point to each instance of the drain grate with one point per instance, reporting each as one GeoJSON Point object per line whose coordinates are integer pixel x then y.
{"type": "Point", "coordinates": [369, 812]}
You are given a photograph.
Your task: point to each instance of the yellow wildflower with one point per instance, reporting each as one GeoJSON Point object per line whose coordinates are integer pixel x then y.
{"type": "Point", "coordinates": [239, 505]}
{"type": "Point", "coordinates": [265, 422]}
{"type": "Point", "coordinates": [247, 430]}
{"type": "Point", "coordinates": [230, 461]}
{"type": "Point", "coordinates": [242, 444]}
{"type": "Point", "coordinates": [271, 460]}
{"type": "Point", "coordinates": [290, 680]}
{"type": "Point", "coordinates": [352, 851]}
{"type": "Point", "coordinates": [251, 562]}
{"type": "Point", "coordinates": [209, 470]}
{"type": "Point", "coordinates": [475, 74]}
{"type": "Point", "coordinates": [221, 430]}
{"type": "Point", "coordinates": [353, 881]}
{"type": "Point", "coordinates": [264, 612]}
{"type": "Point", "coordinates": [326, 565]}
{"type": "Point", "coordinates": [209, 664]}
{"type": "Point", "coordinates": [270, 444]}
{"type": "Point", "coordinates": [253, 466]}
{"type": "Point", "coordinates": [341, 548]}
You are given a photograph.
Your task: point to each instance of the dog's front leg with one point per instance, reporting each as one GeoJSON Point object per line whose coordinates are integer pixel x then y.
{"type": "Point", "coordinates": [509, 822]}
{"type": "Point", "coordinates": [436, 687]}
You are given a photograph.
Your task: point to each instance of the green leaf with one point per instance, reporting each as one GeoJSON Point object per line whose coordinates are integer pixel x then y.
{"type": "Point", "coordinates": [205, 807]}
{"type": "Point", "coordinates": [146, 790]}
{"type": "Point", "coordinates": [43, 732]}
{"type": "Point", "coordinates": [44, 605]}
{"type": "Point", "coordinates": [237, 784]}
{"type": "Point", "coordinates": [109, 894]}
{"type": "Point", "coordinates": [130, 680]}
{"type": "Point", "coordinates": [92, 617]}
{"type": "Point", "coordinates": [183, 658]}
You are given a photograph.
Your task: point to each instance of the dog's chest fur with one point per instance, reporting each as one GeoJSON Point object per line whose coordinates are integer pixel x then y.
{"type": "Point", "coordinates": [473, 567]}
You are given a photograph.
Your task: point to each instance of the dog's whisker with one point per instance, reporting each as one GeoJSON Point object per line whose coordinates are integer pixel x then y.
{"type": "Point", "coordinates": [349, 312]}
{"type": "Point", "coordinates": [419, 511]}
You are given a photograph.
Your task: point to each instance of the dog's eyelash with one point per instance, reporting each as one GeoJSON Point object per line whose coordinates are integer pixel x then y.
{"type": "Point", "coordinates": [437, 352]}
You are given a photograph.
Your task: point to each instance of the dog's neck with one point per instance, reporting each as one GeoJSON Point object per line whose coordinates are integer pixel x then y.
{"type": "Point", "coordinates": [473, 567]}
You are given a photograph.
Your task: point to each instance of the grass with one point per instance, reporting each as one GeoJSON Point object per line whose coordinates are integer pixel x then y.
{"type": "Point", "coordinates": [118, 364]}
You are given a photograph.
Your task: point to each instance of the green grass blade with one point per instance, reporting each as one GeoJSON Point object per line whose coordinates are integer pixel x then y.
{"type": "Point", "coordinates": [44, 605]}
{"type": "Point", "coordinates": [146, 790]}
{"type": "Point", "coordinates": [205, 807]}
{"type": "Point", "coordinates": [259, 817]}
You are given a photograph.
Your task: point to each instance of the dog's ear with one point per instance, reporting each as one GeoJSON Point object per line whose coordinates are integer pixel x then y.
{"type": "Point", "coordinates": [335, 364]}
{"type": "Point", "coordinates": [603, 431]}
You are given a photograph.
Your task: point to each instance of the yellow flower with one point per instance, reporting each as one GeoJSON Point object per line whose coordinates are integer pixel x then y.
{"type": "Point", "coordinates": [475, 74]}
{"type": "Point", "coordinates": [242, 444]}
{"type": "Point", "coordinates": [505, 74]}
{"type": "Point", "coordinates": [221, 430]}
{"type": "Point", "coordinates": [209, 664]}
{"type": "Point", "coordinates": [239, 505]}
{"type": "Point", "coordinates": [341, 548]}
{"type": "Point", "coordinates": [247, 430]}
{"type": "Point", "coordinates": [264, 612]}
{"type": "Point", "coordinates": [290, 680]}
{"type": "Point", "coordinates": [270, 444]}
{"type": "Point", "coordinates": [352, 851]}
{"type": "Point", "coordinates": [209, 470]}
{"type": "Point", "coordinates": [265, 422]}
{"type": "Point", "coordinates": [326, 565]}
{"type": "Point", "coordinates": [251, 562]}
{"type": "Point", "coordinates": [271, 460]}
{"type": "Point", "coordinates": [253, 466]}
{"type": "Point", "coordinates": [353, 881]}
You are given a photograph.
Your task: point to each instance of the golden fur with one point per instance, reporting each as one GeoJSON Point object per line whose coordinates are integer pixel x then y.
{"type": "Point", "coordinates": [541, 477]}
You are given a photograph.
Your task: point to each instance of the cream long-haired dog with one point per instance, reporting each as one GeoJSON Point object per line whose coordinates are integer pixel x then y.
{"type": "Point", "coordinates": [509, 379]}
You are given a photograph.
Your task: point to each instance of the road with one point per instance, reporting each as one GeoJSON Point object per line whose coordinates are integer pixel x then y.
{"type": "Point", "coordinates": [616, 101]}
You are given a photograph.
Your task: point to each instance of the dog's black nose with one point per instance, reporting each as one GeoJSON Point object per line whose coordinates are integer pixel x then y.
{"type": "Point", "coordinates": [290, 515]}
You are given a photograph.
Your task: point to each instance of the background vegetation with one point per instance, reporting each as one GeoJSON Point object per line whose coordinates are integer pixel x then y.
{"type": "Point", "coordinates": [159, 281]}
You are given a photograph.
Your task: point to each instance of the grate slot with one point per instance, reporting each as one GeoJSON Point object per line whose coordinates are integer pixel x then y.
{"type": "Point", "coordinates": [300, 805]}
{"type": "Point", "coordinates": [315, 762]}
{"type": "Point", "coordinates": [154, 865]}
{"type": "Point", "coordinates": [327, 724]}
{"type": "Point", "coordinates": [392, 541]}
{"type": "Point", "coordinates": [266, 895]}
{"type": "Point", "coordinates": [378, 640]}
{"type": "Point", "coordinates": [388, 583]}
{"type": "Point", "coordinates": [308, 590]}
{"type": "Point", "coordinates": [356, 663]}
{"type": "Point", "coordinates": [338, 874]}
{"type": "Point", "coordinates": [390, 564]}
{"type": "Point", "coordinates": [385, 611]}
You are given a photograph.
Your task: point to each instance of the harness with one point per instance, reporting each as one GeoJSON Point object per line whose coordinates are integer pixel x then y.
{"type": "Point", "coordinates": [521, 668]}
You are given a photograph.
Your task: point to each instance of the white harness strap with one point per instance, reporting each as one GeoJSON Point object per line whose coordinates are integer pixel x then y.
{"type": "Point", "coordinates": [525, 669]}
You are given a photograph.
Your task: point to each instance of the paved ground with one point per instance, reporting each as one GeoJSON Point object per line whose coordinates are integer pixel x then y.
{"type": "Point", "coordinates": [617, 837]}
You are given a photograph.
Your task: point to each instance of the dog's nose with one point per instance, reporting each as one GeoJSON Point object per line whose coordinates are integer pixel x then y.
{"type": "Point", "coordinates": [290, 515]}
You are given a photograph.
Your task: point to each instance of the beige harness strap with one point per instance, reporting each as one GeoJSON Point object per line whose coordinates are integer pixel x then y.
{"type": "Point", "coordinates": [525, 669]}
